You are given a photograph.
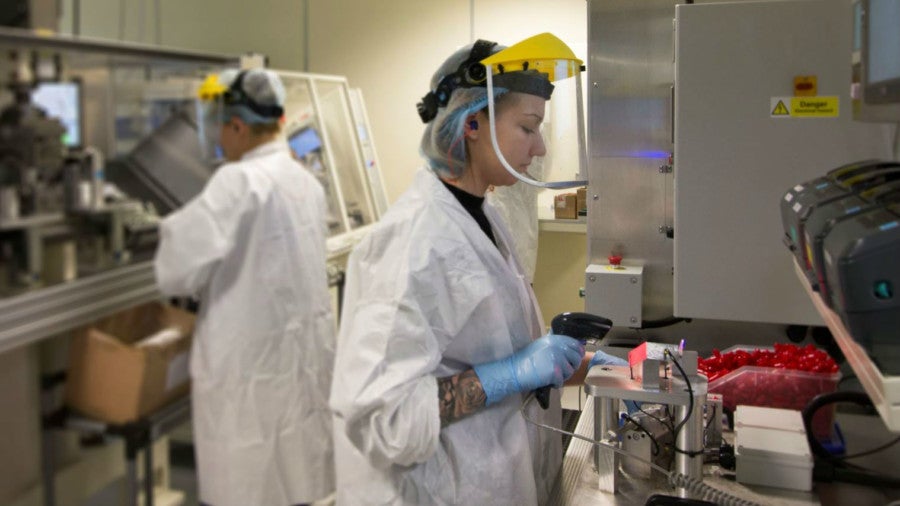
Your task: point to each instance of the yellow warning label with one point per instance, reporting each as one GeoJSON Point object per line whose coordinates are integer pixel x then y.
{"type": "Point", "coordinates": [814, 107]}
{"type": "Point", "coordinates": [780, 109]}
{"type": "Point", "coordinates": [804, 107]}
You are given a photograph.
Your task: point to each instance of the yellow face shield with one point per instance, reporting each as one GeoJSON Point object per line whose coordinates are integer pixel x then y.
{"type": "Point", "coordinates": [530, 66]}
{"type": "Point", "coordinates": [544, 53]}
{"type": "Point", "coordinates": [210, 116]}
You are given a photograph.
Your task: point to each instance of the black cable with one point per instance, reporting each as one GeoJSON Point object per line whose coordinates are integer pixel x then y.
{"type": "Point", "coordinates": [689, 411]}
{"type": "Point", "coordinates": [830, 467]}
{"type": "Point", "coordinates": [711, 418]}
{"type": "Point", "coordinates": [870, 452]}
{"type": "Point", "coordinates": [671, 425]}
{"type": "Point", "coordinates": [658, 419]}
{"type": "Point", "coordinates": [823, 400]}
{"type": "Point", "coordinates": [645, 431]}
{"type": "Point", "coordinates": [690, 393]}
{"type": "Point", "coordinates": [825, 471]}
{"type": "Point", "coordinates": [675, 429]}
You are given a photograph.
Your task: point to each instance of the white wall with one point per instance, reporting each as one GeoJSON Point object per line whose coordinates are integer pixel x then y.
{"type": "Point", "coordinates": [391, 49]}
{"type": "Point", "coordinates": [388, 49]}
{"type": "Point", "coordinates": [272, 27]}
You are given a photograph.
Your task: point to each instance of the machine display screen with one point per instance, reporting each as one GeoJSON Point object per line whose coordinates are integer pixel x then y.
{"type": "Point", "coordinates": [304, 141]}
{"type": "Point", "coordinates": [883, 58]}
{"type": "Point", "coordinates": [63, 102]}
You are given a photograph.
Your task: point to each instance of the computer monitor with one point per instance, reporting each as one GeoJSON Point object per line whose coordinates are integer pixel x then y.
{"type": "Point", "coordinates": [62, 100]}
{"type": "Point", "coordinates": [880, 34]}
{"type": "Point", "coordinates": [304, 141]}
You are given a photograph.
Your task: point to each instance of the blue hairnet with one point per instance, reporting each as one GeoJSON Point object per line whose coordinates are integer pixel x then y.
{"type": "Point", "coordinates": [443, 144]}
{"type": "Point", "coordinates": [260, 85]}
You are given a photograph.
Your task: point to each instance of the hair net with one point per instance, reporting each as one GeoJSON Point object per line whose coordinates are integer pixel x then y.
{"type": "Point", "coordinates": [443, 144]}
{"type": "Point", "coordinates": [262, 86]}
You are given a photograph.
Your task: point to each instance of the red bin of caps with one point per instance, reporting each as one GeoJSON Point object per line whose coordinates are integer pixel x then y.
{"type": "Point", "coordinates": [784, 376]}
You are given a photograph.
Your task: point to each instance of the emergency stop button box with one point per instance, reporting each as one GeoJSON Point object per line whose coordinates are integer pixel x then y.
{"type": "Point", "coordinates": [615, 292]}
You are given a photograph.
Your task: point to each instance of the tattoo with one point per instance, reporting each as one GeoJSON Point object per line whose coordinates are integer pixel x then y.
{"type": "Point", "coordinates": [460, 396]}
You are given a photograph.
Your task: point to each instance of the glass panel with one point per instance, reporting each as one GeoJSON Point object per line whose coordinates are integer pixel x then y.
{"type": "Point", "coordinates": [370, 159]}
{"type": "Point", "coordinates": [79, 195]}
{"type": "Point", "coordinates": [340, 130]}
{"type": "Point", "coordinates": [145, 99]}
{"type": "Point", "coordinates": [304, 136]}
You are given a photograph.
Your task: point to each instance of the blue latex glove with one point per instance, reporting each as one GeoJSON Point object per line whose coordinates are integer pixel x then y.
{"type": "Point", "coordinates": [603, 358]}
{"type": "Point", "coordinates": [550, 360]}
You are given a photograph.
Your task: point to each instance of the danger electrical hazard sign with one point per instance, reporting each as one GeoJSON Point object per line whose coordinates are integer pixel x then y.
{"type": "Point", "coordinates": [804, 107]}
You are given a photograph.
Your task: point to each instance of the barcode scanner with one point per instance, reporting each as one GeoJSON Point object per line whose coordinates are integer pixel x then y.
{"type": "Point", "coordinates": [581, 326]}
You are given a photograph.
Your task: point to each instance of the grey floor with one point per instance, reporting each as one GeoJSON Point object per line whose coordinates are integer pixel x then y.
{"type": "Point", "coordinates": [183, 479]}
{"type": "Point", "coordinates": [183, 474]}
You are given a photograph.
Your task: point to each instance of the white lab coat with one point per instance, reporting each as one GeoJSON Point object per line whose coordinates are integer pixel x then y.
{"type": "Point", "coordinates": [252, 246]}
{"type": "Point", "coordinates": [429, 296]}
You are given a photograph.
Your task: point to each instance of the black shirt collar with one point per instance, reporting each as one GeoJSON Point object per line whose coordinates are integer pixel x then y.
{"type": "Point", "coordinates": [474, 205]}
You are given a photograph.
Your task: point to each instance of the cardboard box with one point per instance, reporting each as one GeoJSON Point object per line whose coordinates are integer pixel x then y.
{"type": "Point", "coordinates": [581, 201]}
{"type": "Point", "coordinates": [117, 375]}
{"type": "Point", "coordinates": [564, 206]}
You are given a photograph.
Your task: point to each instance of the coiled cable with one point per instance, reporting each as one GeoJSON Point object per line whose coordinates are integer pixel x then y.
{"type": "Point", "coordinates": [706, 492]}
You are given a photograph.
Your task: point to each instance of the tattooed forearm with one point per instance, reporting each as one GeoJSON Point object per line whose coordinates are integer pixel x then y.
{"type": "Point", "coordinates": [460, 396]}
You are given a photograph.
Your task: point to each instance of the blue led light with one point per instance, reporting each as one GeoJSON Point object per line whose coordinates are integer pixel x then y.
{"type": "Point", "coordinates": [888, 226]}
{"type": "Point", "coordinates": [884, 290]}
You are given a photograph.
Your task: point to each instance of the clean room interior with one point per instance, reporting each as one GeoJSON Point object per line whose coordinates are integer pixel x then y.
{"type": "Point", "coordinates": [686, 164]}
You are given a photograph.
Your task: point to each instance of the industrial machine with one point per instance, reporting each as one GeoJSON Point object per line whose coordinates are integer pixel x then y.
{"type": "Point", "coordinates": [700, 116]}
{"type": "Point", "coordinates": [72, 111]}
{"type": "Point", "coordinates": [75, 246]}
{"type": "Point", "coordinates": [98, 142]}
{"type": "Point", "coordinates": [327, 130]}
{"type": "Point", "coordinates": [847, 234]}
{"type": "Point", "coordinates": [55, 203]}
{"type": "Point", "coordinates": [659, 375]}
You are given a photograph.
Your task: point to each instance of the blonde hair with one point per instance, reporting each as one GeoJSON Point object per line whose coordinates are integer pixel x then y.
{"type": "Point", "coordinates": [264, 129]}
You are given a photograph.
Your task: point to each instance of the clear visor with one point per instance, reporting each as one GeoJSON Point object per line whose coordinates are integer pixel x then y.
{"type": "Point", "coordinates": [210, 118]}
{"type": "Point", "coordinates": [565, 137]}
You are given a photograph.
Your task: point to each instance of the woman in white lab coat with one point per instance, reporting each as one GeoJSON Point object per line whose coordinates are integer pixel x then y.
{"type": "Point", "coordinates": [441, 336]}
{"type": "Point", "coordinates": [251, 246]}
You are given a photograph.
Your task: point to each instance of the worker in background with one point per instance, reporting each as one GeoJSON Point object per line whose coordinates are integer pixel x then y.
{"type": "Point", "coordinates": [251, 247]}
{"type": "Point", "coordinates": [441, 337]}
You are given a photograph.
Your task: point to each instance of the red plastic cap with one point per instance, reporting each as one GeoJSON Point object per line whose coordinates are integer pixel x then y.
{"type": "Point", "coordinates": [615, 259]}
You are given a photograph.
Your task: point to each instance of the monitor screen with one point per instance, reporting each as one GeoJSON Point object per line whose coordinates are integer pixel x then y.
{"type": "Point", "coordinates": [304, 141]}
{"type": "Point", "coordinates": [63, 102]}
{"type": "Point", "coordinates": [882, 56]}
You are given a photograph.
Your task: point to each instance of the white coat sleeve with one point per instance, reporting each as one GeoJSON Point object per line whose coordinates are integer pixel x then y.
{"type": "Point", "coordinates": [393, 332]}
{"type": "Point", "coordinates": [196, 237]}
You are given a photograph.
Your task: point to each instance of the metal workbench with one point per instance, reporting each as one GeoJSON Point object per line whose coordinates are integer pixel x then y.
{"type": "Point", "coordinates": [578, 482]}
{"type": "Point", "coordinates": [41, 313]}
